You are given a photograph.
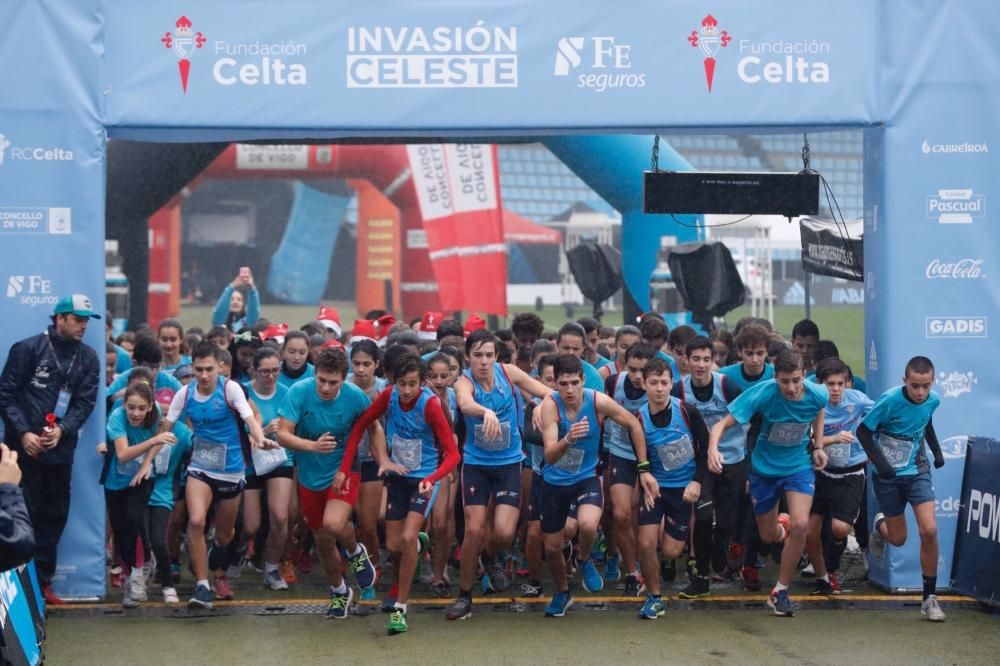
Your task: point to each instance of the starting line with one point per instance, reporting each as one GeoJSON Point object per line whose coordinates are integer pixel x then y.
{"type": "Point", "coordinates": [318, 605]}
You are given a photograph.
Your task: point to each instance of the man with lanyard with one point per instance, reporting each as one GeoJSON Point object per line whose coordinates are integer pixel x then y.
{"type": "Point", "coordinates": [315, 421]}
{"type": "Point", "coordinates": [780, 412]}
{"type": "Point", "coordinates": [720, 506]}
{"type": "Point", "coordinates": [492, 467]}
{"type": "Point", "coordinates": [677, 441]}
{"type": "Point", "coordinates": [47, 391]}
{"type": "Point", "coordinates": [892, 435]}
{"type": "Point", "coordinates": [840, 487]}
{"type": "Point", "coordinates": [571, 431]}
{"type": "Point", "coordinates": [217, 410]}
{"type": "Point", "coordinates": [621, 475]}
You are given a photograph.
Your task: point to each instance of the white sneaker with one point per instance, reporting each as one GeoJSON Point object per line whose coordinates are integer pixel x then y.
{"type": "Point", "coordinates": [148, 568]}
{"type": "Point", "coordinates": [876, 542]}
{"type": "Point", "coordinates": [932, 610]}
{"type": "Point", "coordinates": [135, 592]}
{"type": "Point", "coordinates": [274, 581]}
{"type": "Point", "coordinates": [170, 596]}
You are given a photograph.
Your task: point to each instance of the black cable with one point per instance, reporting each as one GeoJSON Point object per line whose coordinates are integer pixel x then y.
{"type": "Point", "coordinates": [708, 226]}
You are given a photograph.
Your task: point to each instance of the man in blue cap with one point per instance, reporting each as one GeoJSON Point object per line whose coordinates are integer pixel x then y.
{"type": "Point", "coordinates": [48, 389]}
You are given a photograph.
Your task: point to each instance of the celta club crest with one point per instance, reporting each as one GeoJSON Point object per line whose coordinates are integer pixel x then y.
{"type": "Point", "coordinates": [184, 44]}
{"type": "Point", "coordinates": [709, 39]}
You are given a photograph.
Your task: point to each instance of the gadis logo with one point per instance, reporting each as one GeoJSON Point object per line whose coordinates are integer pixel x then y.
{"type": "Point", "coordinates": [184, 44]}
{"type": "Point", "coordinates": [709, 39]}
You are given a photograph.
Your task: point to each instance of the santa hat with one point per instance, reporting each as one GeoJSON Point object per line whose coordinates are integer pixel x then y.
{"type": "Point", "coordinates": [428, 326]}
{"type": "Point", "coordinates": [383, 325]}
{"type": "Point", "coordinates": [473, 323]}
{"type": "Point", "coordinates": [364, 329]}
{"type": "Point", "coordinates": [276, 332]}
{"type": "Point", "coordinates": [329, 317]}
{"type": "Point", "coordinates": [332, 343]}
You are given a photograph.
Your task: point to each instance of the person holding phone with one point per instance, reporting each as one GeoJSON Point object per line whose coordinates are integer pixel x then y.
{"type": "Point", "coordinates": [239, 304]}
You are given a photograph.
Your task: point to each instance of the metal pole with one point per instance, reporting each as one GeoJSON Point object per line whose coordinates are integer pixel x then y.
{"type": "Point", "coordinates": [808, 287]}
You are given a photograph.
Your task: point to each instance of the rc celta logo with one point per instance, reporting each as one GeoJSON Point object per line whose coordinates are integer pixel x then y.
{"type": "Point", "coordinates": [183, 44]}
{"type": "Point", "coordinates": [709, 40]}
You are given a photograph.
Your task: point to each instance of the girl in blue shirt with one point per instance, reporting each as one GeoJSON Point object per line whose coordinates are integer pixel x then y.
{"type": "Point", "coordinates": [238, 306]}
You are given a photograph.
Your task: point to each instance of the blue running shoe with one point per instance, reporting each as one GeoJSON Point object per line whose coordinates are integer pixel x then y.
{"type": "Point", "coordinates": [592, 581]}
{"type": "Point", "coordinates": [368, 594]}
{"type": "Point", "coordinates": [612, 572]}
{"type": "Point", "coordinates": [362, 568]}
{"type": "Point", "coordinates": [561, 601]}
{"type": "Point", "coordinates": [652, 609]}
{"type": "Point", "coordinates": [780, 603]}
{"type": "Point", "coordinates": [202, 599]}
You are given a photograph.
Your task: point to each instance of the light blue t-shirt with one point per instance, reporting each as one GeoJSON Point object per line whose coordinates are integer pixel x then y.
{"type": "Point", "coordinates": [268, 408]}
{"type": "Point", "coordinates": [847, 416]}
{"type": "Point", "coordinates": [182, 360]}
{"type": "Point", "coordinates": [120, 474]}
{"type": "Point", "coordinates": [163, 488]}
{"type": "Point", "coordinates": [591, 377]}
{"type": "Point", "coordinates": [734, 373]}
{"type": "Point", "coordinates": [899, 424]}
{"type": "Point", "coordinates": [289, 382]}
{"type": "Point", "coordinates": [312, 417]}
{"type": "Point", "coordinates": [123, 361]}
{"type": "Point", "coordinates": [782, 447]}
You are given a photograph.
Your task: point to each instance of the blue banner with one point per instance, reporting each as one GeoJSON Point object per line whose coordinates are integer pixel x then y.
{"type": "Point", "coordinates": [978, 549]}
{"type": "Point", "coordinates": [22, 617]}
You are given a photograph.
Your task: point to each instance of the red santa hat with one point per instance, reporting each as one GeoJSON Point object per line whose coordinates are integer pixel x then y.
{"type": "Point", "coordinates": [428, 326]}
{"type": "Point", "coordinates": [383, 325]}
{"type": "Point", "coordinates": [329, 317]}
{"type": "Point", "coordinates": [332, 343]}
{"type": "Point", "coordinates": [275, 331]}
{"type": "Point", "coordinates": [364, 329]}
{"type": "Point", "coordinates": [473, 323]}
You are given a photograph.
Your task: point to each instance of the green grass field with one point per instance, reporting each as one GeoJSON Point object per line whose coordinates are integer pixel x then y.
{"type": "Point", "coordinates": [845, 326]}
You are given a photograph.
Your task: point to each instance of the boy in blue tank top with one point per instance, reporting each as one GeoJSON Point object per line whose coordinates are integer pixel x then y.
{"type": "Point", "coordinates": [621, 477]}
{"type": "Point", "coordinates": [217, 410]}
{"type": "Point", "coordinates": [422, 452]}
{"type": "Point", "coordinates": [840, 486]}
{"type": "Point", "coordinates": [781, 412]}
{"type": "Point", "coordinates": [491, 470]}
{"type": "Point", "coordinates": [677, 442]}
{"type": "Point", "coordinates": [721, 504]}
{"type": "Point", "coordinates": [571, 431]}
{"type": "Point", "coordinates": [893, 436]}
{"type": "Point", "coordinates": [316, 419]}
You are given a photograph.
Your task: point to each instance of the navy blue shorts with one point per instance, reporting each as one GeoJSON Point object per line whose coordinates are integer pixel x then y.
{"type": "Point", "coordinates": [766, 491]}
{"type": "Point", "coordinates": [894, 494]}
{"type": "Point", "coordinates": [403, 498]}
{"type": "Point", "coordinates": [535, 498]}
{"type": "Point", "coordinates": [221, 490]}
{"type": "Point", "coordinates": [255, 482]}
{"type": "Point", "coordinates": [501, 483]}
{"type": "Point", "coordinates": [671, 508]}
{"type": "Point", "coordinates": [557, 502]}
{"type": "Point", "coordinates": [839, 497]}
{"type": "Point", "coordinates": [621, 471]}
{"type": "Point", "coordinates": [368, 471]}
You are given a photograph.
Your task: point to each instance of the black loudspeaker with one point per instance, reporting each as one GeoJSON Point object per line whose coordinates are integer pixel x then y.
{"type": "Point", "coordinates": [707, 279]}
{"type": "Point", "coordinates": [695, 192]}
{"type": "Point", "coordinates": [597, 269]}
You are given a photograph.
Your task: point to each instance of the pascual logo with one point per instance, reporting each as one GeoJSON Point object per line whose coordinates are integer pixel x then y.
{"type": "Point", "coordinates": [955, 327]}
{"type": "Point", "coordinates": [954, 384]}
{"type": "Point", "coordinates": [10, 152]}
{"type": "Point", "coordinates": [963, 269]}
{"type": "Point", "coordinates": [607, 63]}
{"type": "Point", "coordinates": [439, 57]}
{"type": "Point", "coordinates": [956, 206]}
{"type": "Point", "coordinates": [184, 44]}
{"type": "Point", "coordinates": [31, 290]}
{"type": "Point", "coordinates": [709, 39]}
{"type": "Point", "coordinates": [928, 148]}
{"type": "Point", "coordinates": [984, 514]}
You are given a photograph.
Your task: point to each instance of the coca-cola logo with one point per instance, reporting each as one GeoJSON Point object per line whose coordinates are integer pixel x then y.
{"type": "Point", "coordinates": [963, 269]}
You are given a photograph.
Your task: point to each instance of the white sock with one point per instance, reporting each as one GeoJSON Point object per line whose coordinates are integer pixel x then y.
{"type": "Point", "coordinates": [400, 606]}
{"type": "Point", "coordinates": [825, 577]}
{"type": "Point", "coordinates": [339, 590]}
{"type": "Point", "coordinates": [203, 582]}
{"type": "Point", "coordinates": [778, 587]}
{"type": "Point", "coordinates": [268, 567]}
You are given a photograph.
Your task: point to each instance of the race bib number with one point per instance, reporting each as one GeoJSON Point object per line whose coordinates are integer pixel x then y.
{"type": "Point", "coordinates": [896, 451]}
{"type": "Point", "coordinates": [407, 452]}
{"type": "Point", "coordinates": [839, 455]}
{"type": "Point", "coordinates": [208, 456]}
{"type": "Point", "coordinates": [787, 434]}
{"type": "Point", "coordinates": [161, 463]}
{"type": "Point", "coordinates": [571, 461]}
{"type": "Point", "coordinates": [266, 461]}
{"type": "Point", "coordinates": [130, 468]}
{"type": "Point", "coordinates": [501, 443]}
{"type": "Point", "coordinates": [675, 454]}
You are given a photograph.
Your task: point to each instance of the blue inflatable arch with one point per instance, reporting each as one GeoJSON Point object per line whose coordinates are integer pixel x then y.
{"type": "Point", "coordinates": [919, 77]}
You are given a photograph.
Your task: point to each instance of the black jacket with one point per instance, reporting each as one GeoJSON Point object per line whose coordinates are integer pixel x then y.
{"type": "Point", "coordinates": [29, 389]}
{"type": "Point", "coordinates": [17, 539]}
